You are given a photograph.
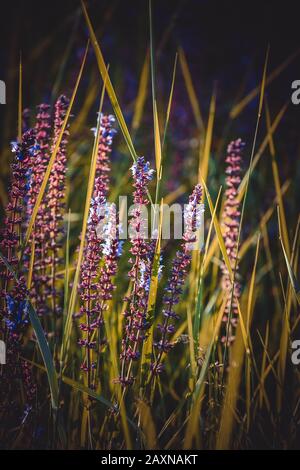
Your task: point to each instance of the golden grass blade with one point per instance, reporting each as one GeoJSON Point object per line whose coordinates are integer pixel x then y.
{"type": "Point", "coordinates": [250, 169]}
{"type": "Point", "coordinates": [170, 100]}
{"type": "Point", "coordinates": [67, 270]}
{"type": "Point", "coordinates": [251, 287]}
{"type": "Point", "coordinates": [53, 156]}
{"type": "Point", "coordinates": [238, 108]}
{"type": "Point", "coordinates": [142, 94]}
{"type": "Point", "coordinates": [147, 425]}
{"type": "Point", "coordinates": [294, 282]}
{"type": "Point", "coordinates": [191, 90]}
{"type": "Point", "coordinates": [31, 263]}
{"type": "Point", "coordinates": [157, 143]}
{"type": "Point", "coordinates": [292, 286]}
{"type": "Point", "coordinates": [108, 85]}
{"type": "Point", "coordinates": [263, 366]}
{"type": "Point", "coordinates": [249, 316]}
{"type": "Point", "coordinates": [199, 275]}
{"type": "Point", "coordinates": [218, 232]}
{"type": "Point", "coordinates": [277, 183]}
{"type": "Point", "coordinates": [203, 165]}
{"type": "Point", "coordinates": [191, 344]}
{"type": "Point", "coordinates": [243, 328]}
{"type": "Point", "coordinates": [228, 415]}
{"type": "Point", "coordinates": [194, 416]}
{"type": "Point", "coordinates": [88, 102]}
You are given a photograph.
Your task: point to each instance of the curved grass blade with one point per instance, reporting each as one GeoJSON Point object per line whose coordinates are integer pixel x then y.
{"type": "Point", "coordinates": [108, 85]}
{"type": "Point", "coordinates": [294, 282]}
{"type": "Point", "coordinates": [46, 355]}
{"type": "Point", "coordinates": [203, 164]}
{"type": "Point", "coordinates": [141, 96]}
{"type": "Point", "coordinates": [190, 89]}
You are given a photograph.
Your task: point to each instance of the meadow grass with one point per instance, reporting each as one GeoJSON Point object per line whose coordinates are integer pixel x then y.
{"type": "Point", "coordinates": [211, 394]}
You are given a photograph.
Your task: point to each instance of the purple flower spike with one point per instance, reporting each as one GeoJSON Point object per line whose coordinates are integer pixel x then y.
{"type": "Point", "coordinates": [13, 293]}
{"type": "Point", "coordinates": [55, 201]}
{"type": "Point", "coordinates": [231, 221]}
{"type": "Point", "coordinates": [39, 165]}
{"type": "Point", "coordinates": [96, 285]}
{"type": "Point", "coordinates": [176, 281]}
{"type": "Point", "coordinates": [142, 251]}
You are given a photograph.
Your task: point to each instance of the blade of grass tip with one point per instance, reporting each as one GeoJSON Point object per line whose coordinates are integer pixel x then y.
{"type": "Point", "coordinates": [109, 87]}
{"type": "Point", "coordinates": [170, 100]}
{"type": "Point", "coordinates": [203, 163]}
{"type": "Point", "coordinates": [277, 182]}
{"type": "Point", "coordinates": [239, 107]}
{"type": "Point", "coordinates": [294, 282]}
{"type": "Point", "coordinates": [157, 140]}
{"type": "Point", "coordinates": [191, 90]}
{"type": "Point", "coordinates": [73, 296]}
{"type": "Point", "coordinates": [261, 149]}
{"type": "Point", "coordinates": [53, 156]}
{"type": "Point", "coordinates": [142, 95]}
{"type": "Point", "coordinates": [42, 343]}
{"type": "Point", "coordinates": [157, 143]}
{"type": "Point", "coordinates": [20, 105]}
{"type": "Point", "coordinates": [152, 60]}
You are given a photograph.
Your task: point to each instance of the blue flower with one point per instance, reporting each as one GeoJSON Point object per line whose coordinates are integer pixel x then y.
{"type": "Point", "coordinates": [18, 313]}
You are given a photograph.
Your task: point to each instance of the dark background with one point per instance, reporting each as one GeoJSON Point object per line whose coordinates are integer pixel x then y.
{"type": "Point", "coordinates": [221, 38]}
{"type": "Point", "coordinates": [225, 43]}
